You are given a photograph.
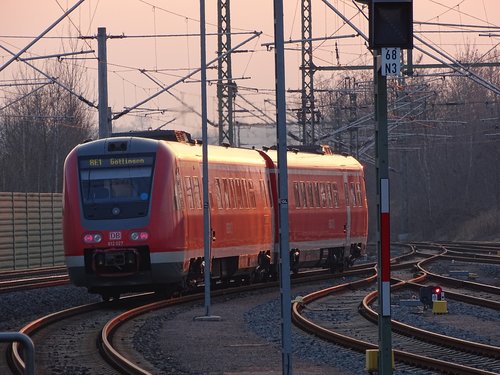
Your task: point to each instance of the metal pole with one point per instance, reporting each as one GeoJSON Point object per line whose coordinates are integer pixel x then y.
{"type": "Point", "coordinates": [207, 237]}
{"type": "Point", "coordinates": [102, 71]}
{"type": "Point", "coordinates": [109, 121]}
{"type": "Point", "coordinates": [383, 222]}
{"type": "Point", "coordinates": [17, 55]}
{"type": "Point", "coordinates": [284, 252]}
{"type": "Point", "coordinates": [28, 346]}
{"type": "Point", "coordinates": [206, 212]}
{"type": "Point", "coordinates": [182, 79]}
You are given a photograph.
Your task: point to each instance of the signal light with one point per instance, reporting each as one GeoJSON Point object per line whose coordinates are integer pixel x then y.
{"type": "Point", "coordinates": [429, 294]}
{"type": "Point", "coordinates": [92, 238]}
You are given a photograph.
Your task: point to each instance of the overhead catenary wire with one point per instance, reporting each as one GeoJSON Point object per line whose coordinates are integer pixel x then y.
{"type": "Point", "coordinates": [26, 95]}
{"type": "Point", "coordinates": [127, 110]}
{"type": "Point", "coordinates": [23, 50]}
{"type": "Point", "coordinates": [53, 79]}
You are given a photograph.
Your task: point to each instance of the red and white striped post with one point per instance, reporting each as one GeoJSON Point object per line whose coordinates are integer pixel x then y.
{"type": "Point", "coordinates": [385, 249]}
{"type": "Point", "coordinates": [383, 221]}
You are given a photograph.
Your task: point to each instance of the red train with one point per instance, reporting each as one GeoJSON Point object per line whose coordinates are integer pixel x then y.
{"type": "Point", "coordinates": [133, 217]}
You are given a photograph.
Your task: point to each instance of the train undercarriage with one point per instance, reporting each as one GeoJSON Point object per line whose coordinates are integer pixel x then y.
{"type": "Point", "coordinates": [108, 266]}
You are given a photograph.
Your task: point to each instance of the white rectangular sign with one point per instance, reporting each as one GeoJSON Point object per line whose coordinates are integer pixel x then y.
{"type": "Point", "coordinates": [391, 61]}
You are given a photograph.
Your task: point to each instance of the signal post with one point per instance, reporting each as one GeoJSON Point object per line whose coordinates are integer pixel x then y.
{"type": "Point", "coordinates": [390, 29]}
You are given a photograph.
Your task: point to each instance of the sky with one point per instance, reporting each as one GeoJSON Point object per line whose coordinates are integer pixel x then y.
{"type": "Point", "coordinates": [161, 37]}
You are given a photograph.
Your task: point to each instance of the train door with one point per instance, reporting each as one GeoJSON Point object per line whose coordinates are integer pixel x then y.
{"type": "Point", "coordinates": [271, 184]}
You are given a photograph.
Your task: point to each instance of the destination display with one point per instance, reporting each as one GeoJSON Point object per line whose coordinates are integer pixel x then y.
{"type": "Point", "coordinates": [113, 162]}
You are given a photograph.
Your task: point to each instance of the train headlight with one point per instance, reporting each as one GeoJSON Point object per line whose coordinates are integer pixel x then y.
{"type": "Point", "coordinates": [92, 238]}
{"type": "Point", "coordinates": [139, 236]}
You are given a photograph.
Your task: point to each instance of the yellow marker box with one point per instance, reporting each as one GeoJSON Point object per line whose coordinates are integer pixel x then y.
{"type": "Point", "coordinates": [440, 307]}
{"type": "Point", "coordinates": [372, 360]}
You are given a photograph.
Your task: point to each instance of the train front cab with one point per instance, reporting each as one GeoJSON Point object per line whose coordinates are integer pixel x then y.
{"type": "Point", "coordinates": [110, 244]}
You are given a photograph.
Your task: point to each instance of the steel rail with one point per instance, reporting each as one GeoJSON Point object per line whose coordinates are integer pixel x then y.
{"type": "Point", "coordinates": [409, 358]}
{"type": "Point", "coordinates": [362, 346]}
{"type": "Point", "coordinates": [15, 280]}
{"type": "Point", "coordinates": [10, 274]}
{"type": "Point", "coordinates": [425, 335]}
{"type": "Point", "coordinates": [32, 283]}
{"type": "Point", "coordinates": [120, 362]}
{"type": "Point", "coordinates": [29, 329]}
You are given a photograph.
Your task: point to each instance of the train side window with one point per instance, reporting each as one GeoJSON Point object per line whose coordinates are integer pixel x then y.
{"type": "Point", "coordinates": [317, 201]}
{"type": "Point", "coordinates": [238, 194]}
{"type": "Point", "coordinates": [310, 195]}
{"type": "Point", "coordinates": [359, 194]}
{"type": "Point", "coordinates": [189, 191]}
{"type": "Point", "coordinates": [244, 193]}
{"type": "Point", "coordinates": [178, 198]}
{"type": "Point", "coordinates": [353, 195]}
{"type": "Point", "coordinates": [218, 193]}
{"type": "Point", "coordinates": [225, 185]}
{"type": "Point", "coordinates": [296, 194]}
{"type": "Point", "coordinates": [335, 195]}
{"type": "Point", "coordinates": [251, 194]}
{"type": "Point", "coordinates": [303, 194]}
{"type": "Point", "coordinates": [269, 192]}
{"type": "Point", "coordinates": [346, 194]}
{"type": "Point", "coordinates": [211, 200]}
{"type": "Point", "coordinates": [196, 192]}
{"type": "Point", "coordinates": [322, 194]}
{"type": "Point", "coordinates": [263, 193]}
{"type": "Point", "coordinates": [232, 198]}
{"type": "Point", "coordinates": [329, 195]}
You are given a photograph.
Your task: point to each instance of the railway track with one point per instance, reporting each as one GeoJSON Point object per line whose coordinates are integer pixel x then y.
{"type": "Point", "coordinates": [33, 278]}
{"type": "Point", "coordinates": [107, 320]}
{"type": "Point", "coordinates": [66, 339]}
{"type": "Point", "coordinates": [56, 333]}
{"type": "Point", "coordinates": [413, 346]}
{"type": "Point", "coordinates": [58, 322]}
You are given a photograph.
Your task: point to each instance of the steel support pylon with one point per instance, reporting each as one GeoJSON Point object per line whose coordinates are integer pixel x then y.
{"type": "Point", "coordinates": [307, 114]}
{"type": "Point", "coordinates": [226, 88]}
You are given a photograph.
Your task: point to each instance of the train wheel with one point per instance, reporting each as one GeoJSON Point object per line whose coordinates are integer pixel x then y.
{"type": "Point", "coordinates": [168, 291]}
{"type": "Point", "coordinates": [335, 260]}
{"type": "Point", "coordinates": [258, 275]}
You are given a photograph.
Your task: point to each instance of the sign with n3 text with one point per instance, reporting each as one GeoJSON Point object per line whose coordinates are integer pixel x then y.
{"type": "Point", "coordinates": [391, 61]}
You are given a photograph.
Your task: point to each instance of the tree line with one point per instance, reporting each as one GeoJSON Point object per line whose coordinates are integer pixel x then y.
{"type": "Point", "coordinates": [443, 149]}
{"type": "Point", "coordinates": [39, 125]}
{"type": "Point", "coordinates": [443, 143]}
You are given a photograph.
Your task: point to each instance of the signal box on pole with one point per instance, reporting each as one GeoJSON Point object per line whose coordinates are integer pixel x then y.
{"type": "Point", "coordinates": [390, 23]}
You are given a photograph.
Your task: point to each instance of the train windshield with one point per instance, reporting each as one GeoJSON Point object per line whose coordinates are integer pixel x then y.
{"type": "Point", "coordinates": [112, 190]}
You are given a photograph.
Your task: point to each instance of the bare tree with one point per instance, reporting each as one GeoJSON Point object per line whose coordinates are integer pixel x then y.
{"type": "Point", "coordinates": [443, 148]}
{"type": "Point", "coordinates": [40, 127]}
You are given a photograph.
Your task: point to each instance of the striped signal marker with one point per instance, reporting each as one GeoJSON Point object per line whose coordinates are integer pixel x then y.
{"type": "Point", "coordinates": [385, 241]}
